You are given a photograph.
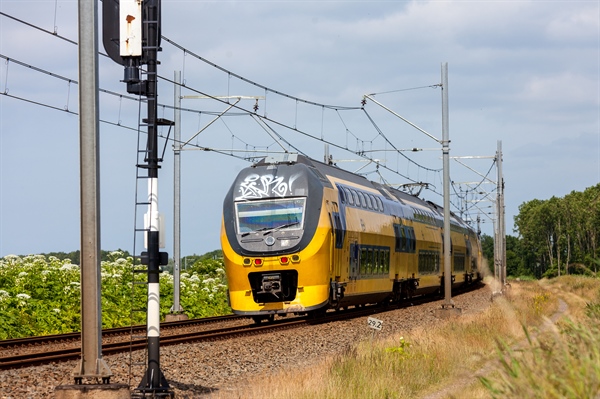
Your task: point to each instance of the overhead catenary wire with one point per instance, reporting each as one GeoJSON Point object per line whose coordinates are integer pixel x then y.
{"type": "Point", "coordinates": [242, 112]}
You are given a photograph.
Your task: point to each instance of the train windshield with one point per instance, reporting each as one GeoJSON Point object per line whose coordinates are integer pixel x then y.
{"type": "Point", "coordinates": [280, 214]}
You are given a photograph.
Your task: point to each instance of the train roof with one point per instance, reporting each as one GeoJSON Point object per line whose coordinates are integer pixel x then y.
{"type": "Point", "coordinates": [393, 194]}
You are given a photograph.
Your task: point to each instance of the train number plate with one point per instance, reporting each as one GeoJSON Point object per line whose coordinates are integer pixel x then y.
{"type": "Point", "coordinates": [375, 323]}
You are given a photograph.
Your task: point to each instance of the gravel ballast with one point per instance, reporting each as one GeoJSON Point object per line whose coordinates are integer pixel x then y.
{"type": "Point", "coordinates": [222, 368]}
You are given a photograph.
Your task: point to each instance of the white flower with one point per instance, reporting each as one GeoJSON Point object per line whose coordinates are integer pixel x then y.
{"type": "Point", "coordinates": [45, 272]}
{"type": "Point", "coordinates": [219, 270]}
{"type": "Point", "coordinates": [69, 266]}
{"type": "Point", "coordinates": [23, 296]}
{"type": "Point", "coordinates": [75, 283]}
{"type": "Point", "coordinates": [55, 310]}
{"type": "Point", "coordinates": [23, 274]}
{"type": "Point", "coordinates": [4, 294]}
{"type": "Point", "coordinates": [211, 296]}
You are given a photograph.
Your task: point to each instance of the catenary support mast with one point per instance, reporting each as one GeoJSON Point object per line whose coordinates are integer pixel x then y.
{"type": "Point", "coordinates": [91, 365]}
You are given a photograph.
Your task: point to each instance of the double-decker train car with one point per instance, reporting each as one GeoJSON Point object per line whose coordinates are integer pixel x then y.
{"type": "Point", "coordinates": [301, 236]}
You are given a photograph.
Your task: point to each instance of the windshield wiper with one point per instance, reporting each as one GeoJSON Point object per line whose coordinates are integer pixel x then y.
{"type": "Point", "coordinates": [283, 226]}
{"type": "Point", "coordinates": [255, 231]}
{"type": "Point", "coordinates": [270, 229]}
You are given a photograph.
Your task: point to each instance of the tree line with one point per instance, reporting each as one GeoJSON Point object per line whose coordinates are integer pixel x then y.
{"type": "Point", "coordinates": [555, 236]}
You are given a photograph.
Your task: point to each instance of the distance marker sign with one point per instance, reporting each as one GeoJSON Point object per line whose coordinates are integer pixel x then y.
{"type": "Point", "coordinates": [374, 323]}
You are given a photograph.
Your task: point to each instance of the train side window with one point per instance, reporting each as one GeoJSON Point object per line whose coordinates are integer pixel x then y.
{"type": "Point", "coordinates": [342, 195]}
{"type": "Point", "coordinates": [363, 203]}
{"type": "Point", "coordinates": [356, 199]}
{"type": "Point", "coordinates": [397, 237]}
{"type": "Point", "coordinates": [368, 199]}
{"type": "Point", "coordinates": [374, 202]}
{"type": "Point", "coordinates": [413, 240]}
{"type": "Point", "coordinates": [386, 260]}
{"type": "Point", "coordinates": [363, 261]}
{"type": "Point", "coordinates": [349, 196]}
{"type": "Point", "coordinates": [403, 239]}
{"type": "Point", "coordinates": [379, 204]}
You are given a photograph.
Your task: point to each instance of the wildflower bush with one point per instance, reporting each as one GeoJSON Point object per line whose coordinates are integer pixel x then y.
{"type": "Point", "coordinates": [40, 295]}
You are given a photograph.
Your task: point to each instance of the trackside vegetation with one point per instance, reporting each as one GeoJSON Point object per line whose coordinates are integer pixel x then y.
{"type": "Point", "coordinates": [40, 295]}
{"type": "Point", "coordinates": [556, 236]}
{"type": "Point", "coordinates": [508, 350]}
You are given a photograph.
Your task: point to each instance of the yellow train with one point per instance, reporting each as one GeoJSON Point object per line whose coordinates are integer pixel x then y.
{"type": "Point", "coordinates": [301, 236]}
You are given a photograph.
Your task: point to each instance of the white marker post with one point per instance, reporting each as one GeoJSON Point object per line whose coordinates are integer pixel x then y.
{"type": "Point", "coordinates": [376, 325]}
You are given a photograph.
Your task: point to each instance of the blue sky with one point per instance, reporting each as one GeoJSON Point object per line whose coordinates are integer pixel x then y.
{"type": "Point", "coordinates": [523, 72]}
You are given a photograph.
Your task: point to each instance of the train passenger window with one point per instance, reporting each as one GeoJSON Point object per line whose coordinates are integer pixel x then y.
{"type": "Point", "coordinates": [386, 261]}
{"type": "Point", "coordinates": [403, 240]}
{"type": "Point", "coordinates": [374, 202]}
{"type": "Point", "coordinates": [379, 204]}
{"type": "Point", "coordinates": [342, 195]}
{"type": "Point", "coordinates": [369, 261]}
{"type": "Point", "coordinates": [363, 261]}
{"type": "Point", "coordinates": [413, 240]}
{"type": "Point", "coordinates": [349, 197]}
{"type": "Point", "coordinates": [363, 203]}
{"type": "Point", "coordinates": [375, 261]}
{"type": "Point", "coordinates": [397, 228]}
{"type": "Point", "coordinates": [368, 199]}
{"type": "Point", "coordinates": [356, 199]}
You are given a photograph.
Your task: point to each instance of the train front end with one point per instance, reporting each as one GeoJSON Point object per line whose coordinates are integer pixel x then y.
{"type": "Point", "coordinates": [275, 240]}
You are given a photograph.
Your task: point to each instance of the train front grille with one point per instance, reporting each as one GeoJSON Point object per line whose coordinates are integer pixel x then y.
{"type": "Point", "coordinates": [274, 286]}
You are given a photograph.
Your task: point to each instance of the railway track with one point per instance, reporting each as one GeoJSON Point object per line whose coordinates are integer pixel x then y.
{"type": "Point", "coordinates": [36, 358]}
{"type": "Point", "coordinates": [138, 329]}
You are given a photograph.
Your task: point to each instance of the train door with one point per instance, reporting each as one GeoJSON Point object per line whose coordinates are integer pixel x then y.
{"type": "Point", "coordinates": [337, 241]}
{"type": "Point", "coordinates": [354, 266]}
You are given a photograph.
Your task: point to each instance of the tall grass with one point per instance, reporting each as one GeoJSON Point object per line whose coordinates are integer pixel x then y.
{"type": "Point", "coordinates": [422, 361]}
{"type": "Point", "coordinates": [563, 362]}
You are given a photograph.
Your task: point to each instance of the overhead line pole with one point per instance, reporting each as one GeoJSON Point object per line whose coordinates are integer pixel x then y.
{"type": "Point", "coordinates": [448, 302]}
{"type": "Point", "coordinates": [91, 365]}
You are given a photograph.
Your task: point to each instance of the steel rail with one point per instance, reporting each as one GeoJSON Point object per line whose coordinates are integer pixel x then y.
{"type": "Point", "coordinates": [57, 338]}
{"type": "Point", "coordinates": [32, 359]}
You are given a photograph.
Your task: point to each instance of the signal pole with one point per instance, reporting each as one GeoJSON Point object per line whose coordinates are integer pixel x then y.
{"type": "Point", "coordinates": [131, 37]}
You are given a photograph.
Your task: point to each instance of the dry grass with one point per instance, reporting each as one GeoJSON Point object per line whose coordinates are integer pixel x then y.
{"type": "Point", "coordinates": [444, 361]}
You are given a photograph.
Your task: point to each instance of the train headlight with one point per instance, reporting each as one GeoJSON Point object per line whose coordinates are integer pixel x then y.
{"type": "Point", "coordinates": [247, 261]}
{"type": "Point", "coordinates": [295, 258]}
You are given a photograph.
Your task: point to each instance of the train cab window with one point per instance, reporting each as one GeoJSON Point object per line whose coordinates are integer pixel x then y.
{"type": "Point", "coordinates": [280, 214]}
{"type": "Point", "coordinates": [363, 202]}
{"type": "Point", "coordinates": [349, 196]}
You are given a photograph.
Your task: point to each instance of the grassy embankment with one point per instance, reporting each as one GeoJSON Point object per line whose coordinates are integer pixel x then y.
{"type": "Point", "coordinates": [485, 355]}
